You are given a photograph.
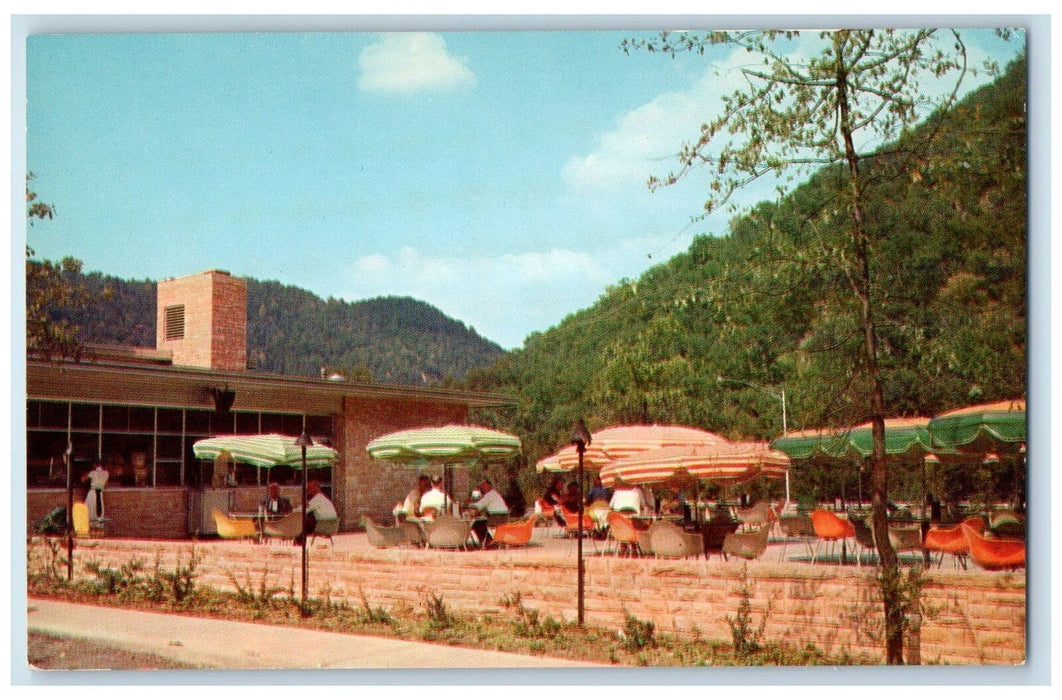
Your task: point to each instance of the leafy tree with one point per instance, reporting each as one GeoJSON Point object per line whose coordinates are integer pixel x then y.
{"type": "Point", "coordinates": [51, 288]}
{"type": "Point", "coordinates": [833, 110]}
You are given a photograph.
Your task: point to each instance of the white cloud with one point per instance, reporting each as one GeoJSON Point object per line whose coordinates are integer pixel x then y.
{"type": "Point", "coordinates": [505, 296]}
{"type": "Point", "coordinates": [645, 140]}
{"type": "Point", "coordinates": [410, 62]}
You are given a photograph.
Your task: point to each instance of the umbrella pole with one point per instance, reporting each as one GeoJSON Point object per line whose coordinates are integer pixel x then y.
{"type": "Point", "coordinates": [68, 456]}
{"type": "Point", "coordinates": [305, 572]}
{"type": "Point", "coordinates": [581, 447]}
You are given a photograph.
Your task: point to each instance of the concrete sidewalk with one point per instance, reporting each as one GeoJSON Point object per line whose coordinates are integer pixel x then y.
{"type": "Point", "coordinates": [230, 645]}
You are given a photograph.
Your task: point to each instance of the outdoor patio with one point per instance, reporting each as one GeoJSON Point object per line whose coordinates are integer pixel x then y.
{"type": "Point", "coordinates": [978, 617]}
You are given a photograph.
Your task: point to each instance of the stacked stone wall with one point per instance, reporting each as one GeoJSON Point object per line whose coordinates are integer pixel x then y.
{"type": "Point", "coordinates": [973, 617]}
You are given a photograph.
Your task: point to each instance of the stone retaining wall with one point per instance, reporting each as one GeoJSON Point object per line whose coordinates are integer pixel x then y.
{"type": "Point", "coordinates": [974, 617]}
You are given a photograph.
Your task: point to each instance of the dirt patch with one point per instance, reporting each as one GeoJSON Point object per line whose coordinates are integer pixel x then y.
{"type": "Point", "coordinates": [51, 653]}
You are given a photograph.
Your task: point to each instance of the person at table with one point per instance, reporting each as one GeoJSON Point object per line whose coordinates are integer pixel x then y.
{"type": "Point", "coordinates": [274, 503]}
{"type": "Point", "coordinates": [627, 498]}
{"type": "Point", "coordinates": [553, 494]}
{"type": "Point", "coordinates": [435, 499]}
{"type": "Point", "coordinates": [598, 492]}
{"type": "Point", "coordinates": [673, 503]}
{"type": "Point", "coordinates": [410, 507]}
{"type": "Point", "coordinates": [318, 508]}
{"type": "Point", "coordinates": [489, 503]}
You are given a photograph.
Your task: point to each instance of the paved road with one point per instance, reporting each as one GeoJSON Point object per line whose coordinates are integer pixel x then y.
{"type": "Point", "coordinates": [234, 645]}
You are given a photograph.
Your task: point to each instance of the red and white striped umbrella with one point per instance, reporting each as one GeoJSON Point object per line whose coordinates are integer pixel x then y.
{"type": "Point", "coordinates": [728, 464]}
{"type": "Point", "coordinates": [618, 442]}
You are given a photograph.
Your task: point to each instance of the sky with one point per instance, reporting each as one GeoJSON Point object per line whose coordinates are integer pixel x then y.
{"type": "Point", "coordinates": [499, 176]}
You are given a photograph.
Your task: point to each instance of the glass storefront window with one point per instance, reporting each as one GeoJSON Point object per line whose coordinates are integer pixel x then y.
{"type": "Point", "coordinates": [145, 446]}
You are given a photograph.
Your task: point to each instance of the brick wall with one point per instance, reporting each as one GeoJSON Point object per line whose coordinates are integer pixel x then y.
{"type": "Point", "coordinates": [368, 487]}
{"type": "Point", "coordinates": [215, 320]}
{"type": "Point", "coordinates": [131, 512]}
{"type": "Point", "coordinates": [975, 617]}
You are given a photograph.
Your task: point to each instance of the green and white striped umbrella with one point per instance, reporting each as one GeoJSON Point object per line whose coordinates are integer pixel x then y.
{"type": "Point", "coordinates": [448, 444]}
{"type": "Point", "coordinates": [269, 450]}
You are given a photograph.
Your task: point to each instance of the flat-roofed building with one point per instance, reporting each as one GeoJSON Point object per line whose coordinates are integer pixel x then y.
{"type": "Point", "coordinates": [138, 411]}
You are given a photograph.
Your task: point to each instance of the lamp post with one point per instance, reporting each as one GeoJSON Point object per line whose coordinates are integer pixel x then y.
{"type": "Point", "coordinates": [580, 438]}
{"type": "Point", "coordinates": [68, 456]}
{"type": "Point", "coordinates": [304, 441]}
{"type": "Point", "coordinates": [776, 394]}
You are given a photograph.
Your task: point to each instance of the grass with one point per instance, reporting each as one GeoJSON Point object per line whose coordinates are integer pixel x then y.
{"type": "Point", "coordinates": [516, 628]}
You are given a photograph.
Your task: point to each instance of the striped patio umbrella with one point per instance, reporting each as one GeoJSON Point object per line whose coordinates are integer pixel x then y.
{"type": "Point", "coordinates": [265, 451]}
{"type": "Point", "coordinates": [448, 444]}
{"type": "Point", "coordinates": [727, 464]}
{"type": "Point", "coordinates": [982, 428]}
{"type": "Point", "coordinates": [904, 438]}
{"type": "Point", "coordinates": [618, 442]}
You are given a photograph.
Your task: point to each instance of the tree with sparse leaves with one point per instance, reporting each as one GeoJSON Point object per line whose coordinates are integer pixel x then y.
{"type": "Point", "coordinates": [836, 110]}
{"type": "Point", "coordinates": [50, 288]}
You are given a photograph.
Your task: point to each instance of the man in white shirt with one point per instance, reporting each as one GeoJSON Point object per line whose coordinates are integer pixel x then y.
{"type": "Point", "coordinates": [435, 498]}
{"type": "Point", "coordinates": [318, 507]}
{"type": "Point", "coordinates": [627, 498]}
{"type": "Point", "coordinates": [97, 479]}
{"type": "Point", "coordinates": [490, 503]}
{"type": "Point", "coordinates": [410, 508]}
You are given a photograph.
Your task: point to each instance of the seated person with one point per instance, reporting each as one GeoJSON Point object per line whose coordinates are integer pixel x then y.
{"type": "Point", "coordinates": [318, 507]}
{"type": "Point", "coordinates": [435, 498]}
{"type": "Point", "coordinates": [599, 492]}
{"type": "Point", "coordinates": [274, 503]}
{"type": "Point", "coordinates": [627, 498]}
{"type": "Point", "coordinates": [410, 507]}
{"type": "Point", "coordinates": [489, 503]}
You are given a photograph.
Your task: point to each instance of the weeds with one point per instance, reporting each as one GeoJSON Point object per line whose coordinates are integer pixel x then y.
{"type": "Point", "coordinates": [371, 615]}
{"type": "Point", "coordinates": [638, 634]}
{"type": "Point", "coordinates": [258, 598]}
{"type": "Point", "coordinates": [746, 639]}
{"type": "Point", "coordinates": [529, 624]}
{"type": "Point", "coordinates": [439, 616]}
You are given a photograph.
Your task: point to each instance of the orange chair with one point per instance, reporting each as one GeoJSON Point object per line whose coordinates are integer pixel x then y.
{"type": "Point", "coordinates": [571, 522]}
{"type": "Point", "coordinates": [622, 531]}
{"type": "Point", "coordinates": [951, 540]}
{"type": "Point", "coordinates": [829, 528]}
{"type": "Point", "coordinates": [571, 525]}
{"type": "Point", "coordinates": [516, 534]}
{"type": "Point", "coordinates": [994, 554]}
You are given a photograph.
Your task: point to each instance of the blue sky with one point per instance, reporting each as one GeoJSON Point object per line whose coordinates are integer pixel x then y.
{"type": "Point", "coordinates": [498, 176]}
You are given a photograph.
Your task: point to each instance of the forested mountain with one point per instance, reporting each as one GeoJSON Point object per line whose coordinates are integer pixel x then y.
{"type": "Point", "coordinates": [292, 331]}
{"type": "Point", "coordinates": [768, 303]}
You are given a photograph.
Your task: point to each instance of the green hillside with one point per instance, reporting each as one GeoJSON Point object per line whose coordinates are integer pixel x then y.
{"type": "Point", "coordinates": [766, 303]}
{"type": "Point", "coordinates": [292, 331]}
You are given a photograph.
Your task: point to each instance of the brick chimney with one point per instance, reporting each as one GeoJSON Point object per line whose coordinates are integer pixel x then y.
{"type": "Point", "coordinates": [202, 320]}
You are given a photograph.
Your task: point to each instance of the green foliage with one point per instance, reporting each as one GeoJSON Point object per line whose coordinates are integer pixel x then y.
{"type": "Point", "coordinates": [129, 582]}
{"type": "Point", "coordinates": [638, 634]}
{"type": "Point", "coordinates": [439, 615]}
{"type": "Point", "coordinates": [260, 597]}
{"type": "Point", "coordinates": [530, 624]}
{"type": "Point", "coordinates": [373, 615]}
{"type": "Point", "coordinates": [747, 639]}
{"type": "Point", "coordinates": [769, 303]}
{"type": "Point", "coordinates": [292, 331]}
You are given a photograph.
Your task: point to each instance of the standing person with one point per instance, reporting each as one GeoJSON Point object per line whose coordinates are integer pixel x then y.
{"type": "Point", "coordinates": [97, 479]}
{"type": "Point", "coordinates": [274, 503]}
{"type": "Point", "coordinates": [318, 507]}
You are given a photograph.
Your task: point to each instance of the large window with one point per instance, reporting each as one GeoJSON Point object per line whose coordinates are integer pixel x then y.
{"type": "Point", "coordinates": [147, 446]}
